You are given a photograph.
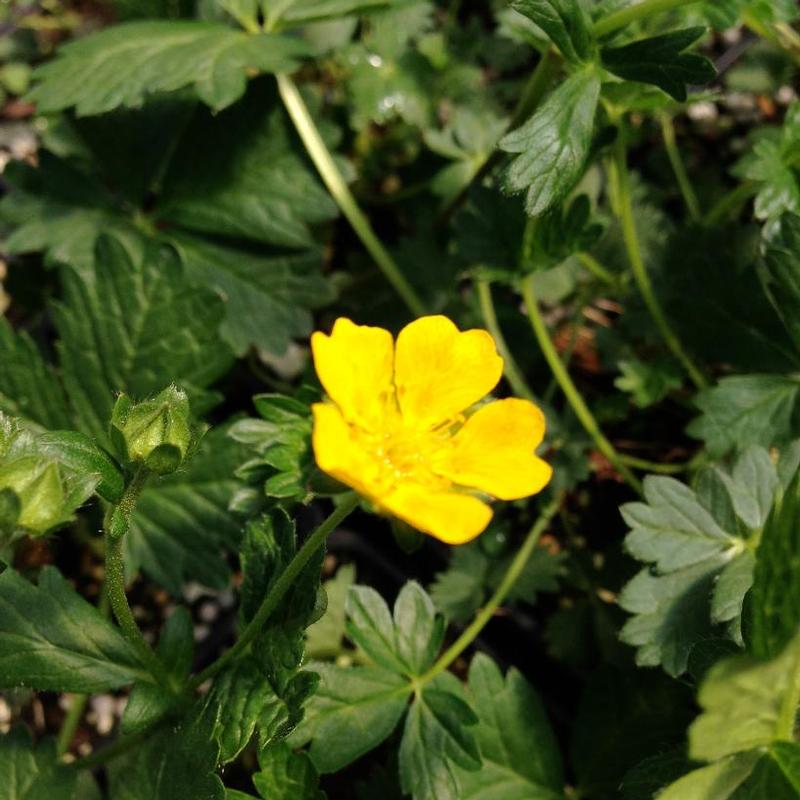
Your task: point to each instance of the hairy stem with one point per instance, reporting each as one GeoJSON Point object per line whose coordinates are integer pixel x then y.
{"type": "Point", "coordinates": [625, 16]}
{"type": "Point", "coordinates": [279, 589]}
{"type": "Point", "coordinates": [510, 367]}
{"type": "Point", "coordinates": [496, 600]}
{"type": "Point", "coordinates": [117, 524]}
{"type": "Point", "coordinates": [678, 167]}
{"type": "Point", "coordinates": [337, 186]}
{"type": "Point", "coordinates": [571, 392]}
{"type": "Point", "coordinates": [625, 211]}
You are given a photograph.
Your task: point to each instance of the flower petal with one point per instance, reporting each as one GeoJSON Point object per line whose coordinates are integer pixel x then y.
{"type": "Point", "coordinates": [451, 517]}
{"type": "Point", "coordinates": [355, 366]}
{"type": "Point", "coordinates": [494, 451]}
{"type": "Point", "coordinates": [339, 454]}
{"type": "Point", "coordinates": [440, 371]}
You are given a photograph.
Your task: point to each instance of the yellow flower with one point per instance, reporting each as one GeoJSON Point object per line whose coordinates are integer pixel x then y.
{"type": "Point", "coordinates": [399, 432]}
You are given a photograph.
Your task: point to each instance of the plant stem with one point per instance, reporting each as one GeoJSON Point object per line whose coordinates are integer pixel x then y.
{"type": "Point", "coordinates": [654, 466]}
{"type": "Point", "coordinates": [678, 167]}
{"type": "Point", "coordinates": [279, 589]}
{"type": "Point", "coordinates": [71, 721]}
{"type": "Point", "coordinates": [625, 16]}
{"type": "Point", "coordinates": [117, 523]}
{"type": "Point", "coordinates": [510, 367]}
{"type": "Point", "coordinates": [531, 96]}
{"type": "Point", "coordinates": [597, 269]}
{"type": "Point", "coordinates": [495, 601]}
{"type": "Point", "coordinates": [337, 186]}
{"type": "Point", "coordinates": [571, 392]}
{"type": "Point", "coordinates": [730, 202]}
{"type": "Point", "coordinates": [625, 211]}
{"type": "Point", "coordinates": [117, 748]}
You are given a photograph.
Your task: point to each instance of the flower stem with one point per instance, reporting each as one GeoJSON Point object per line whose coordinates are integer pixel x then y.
{"type": "Point", "coordinates": [512, 371]}
{"type": "Point", "coordinates": [72, 719]}
{"type": "Point", "coordinates": [495, 601]}
{"type": "Point", "coordinates": [279, 589]}
{"type": "Point", "coordinates": [730, 203]}
{"type": "Point", "coordinates": [678, 167]}
{"type": "Point", "coordinates": [597, 269]}
{"type": "Point", "coordinates": [625, 16]}
{"type": "Point", "coordinates": [571, 392]}
{"type": "Point", "coordinates": [117, 524]}
{"type": "Point", "coordinates": [625, 211]}
{"type": "Point", "coordinates": [337, 186]}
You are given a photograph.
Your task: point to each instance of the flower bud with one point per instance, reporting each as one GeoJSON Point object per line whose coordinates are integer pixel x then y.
{"type": "Point", "coordinates": [158, 433]}
{"type": "Point", "coordinates": [37, 494]}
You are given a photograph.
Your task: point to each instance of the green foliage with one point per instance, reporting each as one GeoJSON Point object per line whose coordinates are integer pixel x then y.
{"type": "Point", "coordinates": [51, 638]}
{"type": "Point", "coordinates": [553, 145]}
{"type": "Point", "coordinates": [661, 61]}
{"type": "Point", "coordinates": [28, 772]}
{"type": "Point", "coordinates": [122, 65]}
{"type": "Point", "coordinates": [700, 544]}
{"type": "Point", "coordinates": [520, 755]}
{"type": "Point", "coordinates": [565, 22]}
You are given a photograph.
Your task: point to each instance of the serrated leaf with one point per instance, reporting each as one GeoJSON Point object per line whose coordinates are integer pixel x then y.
{"type": "Point", "coordinates": [459, 591]}
{"type": "Point", "coordinates": [28, 772]}
{"type": "Point", "coordinates": [745, 409]}
{"type": "Point", "coordinates": [191, 545]}
{"type": "Point", "coordinates": [566, 22]}
{"type": "Point", "coordinates": [519, 753]}
{"type": "Point", "coordinates": [437, 740]}
{"type": "Point", "coordinates": [174, 763]}
{"type": "Point", "coordinates": [660, 60]}
{"type": "Point", "coordinates": [263, 190]}
{"type": "Point", "coordinates": [648, 384]}
{"type": "Point", "coordinates": [268, 297]}
{"type": "Point", "coordinates": [406, 643]}
{"type": "Point", "coordinates": [351, 713]}
{"type": "Point", "coordinates": [124, 64]}
{"type": "Point", "coordinates": [135, 328]}
{"type": "Point", "coordinates": [306, 11]}
{"type": "Point", "coordinates": [28, 386]}
{"type": "Point", "coordinates": [286, 775]}
{"type": "Point", "coordinates": [52, 639]}
{"type": "Point", "coordinates": [553, 144]}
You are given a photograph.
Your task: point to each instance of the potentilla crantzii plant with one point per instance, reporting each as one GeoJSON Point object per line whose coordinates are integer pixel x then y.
{"type": "Point", "coordinates": [399, 399]}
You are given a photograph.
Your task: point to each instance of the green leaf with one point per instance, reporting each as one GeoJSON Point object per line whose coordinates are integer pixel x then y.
{"type": "Point", "coordinates": [324, 637]}
{"type": "Point", "coordinates": [770, 161]}
{"type": "Point", "coordinates": [407, 643]}
{"type": "Point", "coordinates": [553, 144]}
{"type": "Point", "coordinates": [306, 11]}
{"type": "Point", "coordinates": [244, 701]}
{"type": "Point", "coordinates": [718, 780]}
{"type": "Point", "coordinates": [437, 740]}
{"type": "Point", "coordinates": [697, 542]}
{"type": "Point", "coordinates": [52, 639]}
{"type": "Point", "coordinates": [135, 328]}
{"type": "Point", "coordinates": [123, 64]}
{"type": "Point", "coordinates": [744, 410]}
{"type": "Point", "coordinates": [782, 272]}
{"type": "Point", "coordinates": [286, 775]}
{"type": "Point", "coordinates": [648, 384]}
{"type": "Point", "coordinates": [191, 545]}
{"type": "Point", "coordinates": [774, 777]}
{"type": "Point", "coordinates": [268, 298]}
{"type": "Point", "coordinates": [264, 188]}
{"type": "Point", "coordinates": [460, 590]}
{"type": "Point", "coordinates": [566, 22]}
{"type": "Point", "coordinates": [746, 704]}
{"type": "Point", "coordinates": [351, 713]}
{"type": "Point", "coordinates": [32, 773]}
{"type": "Point", "coordinates": [660, 60]}
{"type": "Point", "coordinates": [28, 387]}
{"type": "Point", "coordinates": [520, 755]}
{"type": "Point", "coordinates": [775, 597]}
{"type": "Point", "coordinates": [174, 763]}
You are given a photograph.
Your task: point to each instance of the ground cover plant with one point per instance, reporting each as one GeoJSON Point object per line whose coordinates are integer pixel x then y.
{"type": "Point", "coordinates": [399, 398]}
